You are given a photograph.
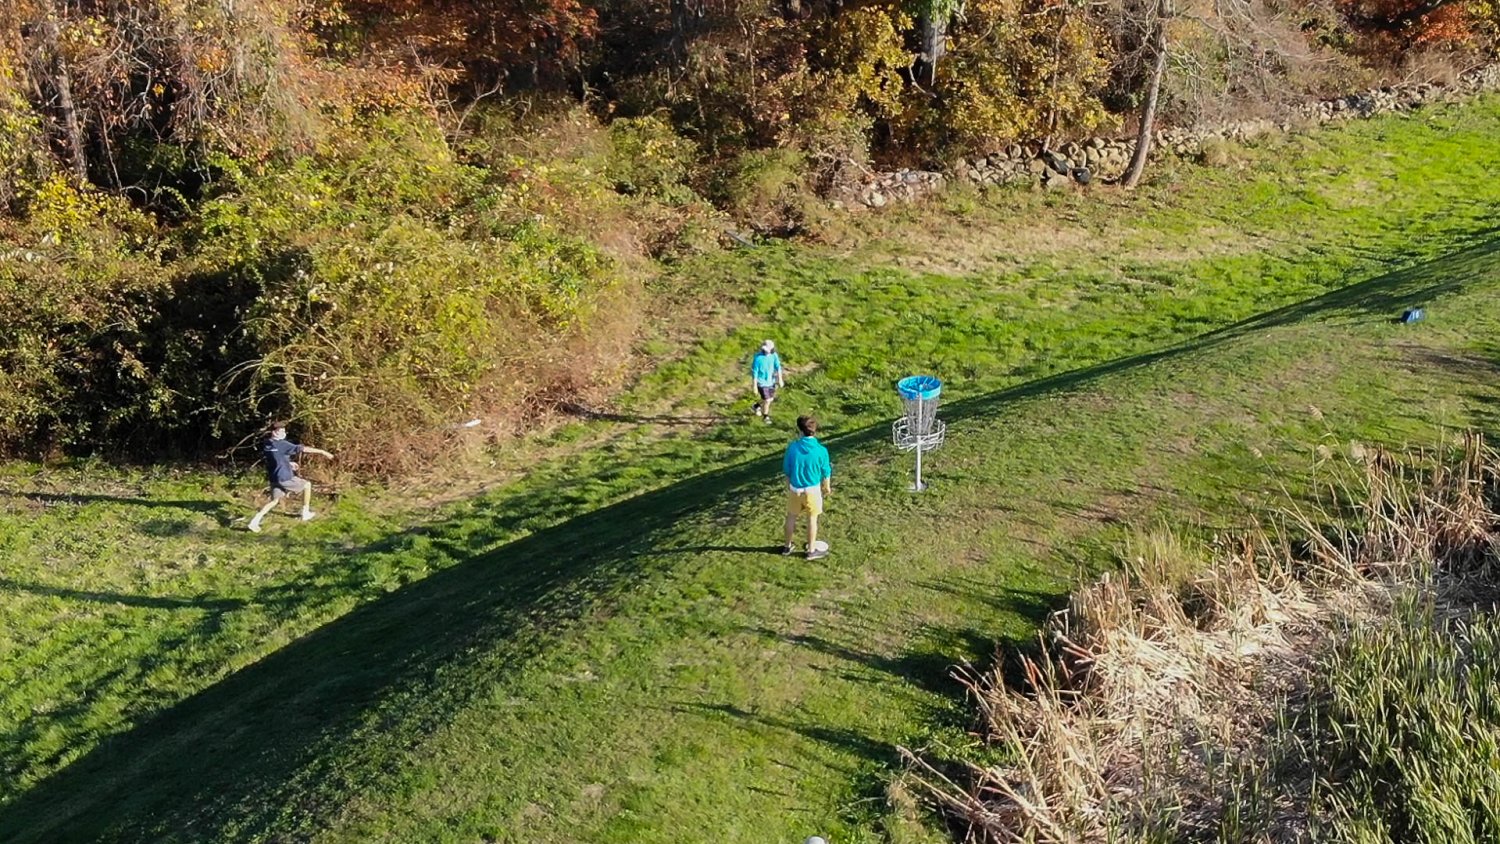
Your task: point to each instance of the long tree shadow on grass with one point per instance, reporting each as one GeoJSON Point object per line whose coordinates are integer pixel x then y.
{"type": "Point", "coordinates": [53, 499]}
{"type": "Point", "coordinates": [853, 742]}
{"type": "Point", "coordinates": [925, 667]}
{"type": "Point", "coordinates": [271, 749]}
{"type": "Point", "coordinates": [1479, 364]}
{"type": "Point", "coordinates": [205, 602]}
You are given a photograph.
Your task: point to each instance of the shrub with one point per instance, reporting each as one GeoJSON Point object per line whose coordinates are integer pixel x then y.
{"type": "Point", "coordinates": [375, 324]}
{"type": "Point", "coordinates": [1018, 69]}
{"type": "Point", "coordinates": [836, 148]}
{"type": "Point", "coordinates": [1216, 152]}
{"type": "Point", "coordinates": [562, 164]}
{"type": "Point", "coordinates": [648, 157]}
{"type": "Point", "coordinates": [81, 285]}
{"type": "Point", "coordinates": [22, 157]}
{"type": "Point", "coordinates": [400, 331]}
{"type": "Point", "coordinates": [376, 292]}
{"type": "Point", "coordinates": [1410, 729]}
{"type": "Point", "coordinates": [764, 188]}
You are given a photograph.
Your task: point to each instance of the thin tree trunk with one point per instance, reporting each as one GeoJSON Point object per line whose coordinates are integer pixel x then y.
{"type": "Point", "coordinates": [934, 29]}
{"type": "Point", "coordinates": [685, 15]}
{"type": "Point", "coordinates": [1148, 109]}
{"type": "Point", "coordinates": [63, 87]}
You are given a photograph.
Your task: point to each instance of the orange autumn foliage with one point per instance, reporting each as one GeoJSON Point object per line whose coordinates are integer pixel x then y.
{"type": "Point", "coordinates": [1403, 24]}
{"type": "Point", "coordinates": [489, 40]}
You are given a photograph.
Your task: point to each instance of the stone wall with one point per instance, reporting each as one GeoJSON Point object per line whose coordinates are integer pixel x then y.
{"type": "Point", "coordinates": [1105, 159]}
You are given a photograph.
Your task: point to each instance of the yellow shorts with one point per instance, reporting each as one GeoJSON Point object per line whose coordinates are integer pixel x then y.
{"type": "Point", "coordinates": [809, 501]}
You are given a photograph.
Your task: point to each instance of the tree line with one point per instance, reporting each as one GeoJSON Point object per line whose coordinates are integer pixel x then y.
{"type": "Point", "coordinates": [378, 216]}
{"type": "Point", "coordinates": [901, 80]}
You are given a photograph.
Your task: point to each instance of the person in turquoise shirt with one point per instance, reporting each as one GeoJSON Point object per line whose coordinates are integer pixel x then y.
{"type": "Point", "coordinates": [765, 378]}
{"type": "Point", "coordinates": [808, 473]}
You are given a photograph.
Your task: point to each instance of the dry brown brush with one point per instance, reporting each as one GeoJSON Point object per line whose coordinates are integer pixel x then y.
{"type": "Point", "coordinates": [1188, 699]}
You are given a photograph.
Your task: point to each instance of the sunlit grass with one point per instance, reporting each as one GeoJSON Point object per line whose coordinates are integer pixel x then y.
{"type": "Point", "coordinates": [640, 665]}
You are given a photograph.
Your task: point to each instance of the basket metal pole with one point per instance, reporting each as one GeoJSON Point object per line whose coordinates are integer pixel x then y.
{"type": "Point", "coordinates": [918, 486]}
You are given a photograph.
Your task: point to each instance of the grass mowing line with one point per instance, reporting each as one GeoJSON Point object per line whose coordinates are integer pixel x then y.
{"type": "Point", "coordinates": [263, 752]}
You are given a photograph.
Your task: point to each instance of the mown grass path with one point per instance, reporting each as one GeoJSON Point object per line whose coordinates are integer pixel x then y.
{"type": "Point", "coordinates": [641, 667]}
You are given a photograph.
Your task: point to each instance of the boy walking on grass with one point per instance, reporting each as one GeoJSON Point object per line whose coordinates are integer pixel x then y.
{"type": "Point", "coordinates": [807, 473]}
{"type": "Point", "coordinates": [277, 452]}
{"type": "Point", "coordinates": [765, 378]}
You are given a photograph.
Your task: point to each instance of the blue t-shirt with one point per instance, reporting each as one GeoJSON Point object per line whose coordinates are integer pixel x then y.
{"type": "Point", "coordinates": [806, 463]}
{"type": "Point", "coordinates": [764, 367]}
{"type": "Point", "coordinates": [278, 455]}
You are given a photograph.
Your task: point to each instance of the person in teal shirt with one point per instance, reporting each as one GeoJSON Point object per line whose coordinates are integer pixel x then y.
{"type": "Point", "coordinates": [765, 378]}
{"type": "Point", "coordinates": [808, 473]}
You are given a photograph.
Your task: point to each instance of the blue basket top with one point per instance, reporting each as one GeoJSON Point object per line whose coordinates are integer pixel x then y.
{"type": "Point", "coordinates": [925, 387]}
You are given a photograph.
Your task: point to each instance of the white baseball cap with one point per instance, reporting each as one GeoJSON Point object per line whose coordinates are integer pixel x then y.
{"type": "Point", "coordinates": [768, 345]}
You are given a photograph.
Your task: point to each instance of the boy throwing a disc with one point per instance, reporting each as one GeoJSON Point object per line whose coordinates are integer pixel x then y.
{"type": "Point", "coordinates": [277, 452]}
{"type": "Point", "coordinates": [765, 378]}
{"type": "Point", "coordinates": [807, 473]}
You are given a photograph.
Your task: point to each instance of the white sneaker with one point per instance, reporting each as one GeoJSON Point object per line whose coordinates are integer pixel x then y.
{"type": "Point", "coordinates": [253, 527]}
{"type": "Point", "coordinates": [307, 514]}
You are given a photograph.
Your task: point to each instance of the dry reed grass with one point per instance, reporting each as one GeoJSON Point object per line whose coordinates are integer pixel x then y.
{"type": "Point", "coordinates": [1158, 706]}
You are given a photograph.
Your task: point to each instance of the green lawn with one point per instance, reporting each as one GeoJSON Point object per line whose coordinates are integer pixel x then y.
{"type": "Point", "coordinates": [605, 649]}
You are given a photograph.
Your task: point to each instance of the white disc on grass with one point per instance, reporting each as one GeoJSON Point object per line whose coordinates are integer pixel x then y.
{"type": "Point", "coordinates": [815, 839]}
{"type": "Point", "coordinates": [820, 545]}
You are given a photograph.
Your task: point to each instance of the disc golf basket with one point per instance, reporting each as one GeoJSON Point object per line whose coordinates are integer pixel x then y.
{"type": "Point", "coordinates": [918, 429]}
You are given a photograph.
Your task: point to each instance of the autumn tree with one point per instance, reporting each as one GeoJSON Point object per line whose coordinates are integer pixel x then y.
{"type": "Point", "coordinates": [1015, 69]}
{"type": "Point", "coordinates": [487, 42]}
{"type": "Point", "coordinates": [1155, 22]}
{"type": "Point", "coordinates": [1208, 55]}
{"type": "Point", "coordinates": [101, 72]}
{"type": "Point", "coordinates": [1392, 27]}
{"type": "Point", "coordinates": [933, 19]}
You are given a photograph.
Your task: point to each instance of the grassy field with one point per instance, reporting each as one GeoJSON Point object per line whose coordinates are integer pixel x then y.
{"type": "Point", "coordinates": [605, 648]}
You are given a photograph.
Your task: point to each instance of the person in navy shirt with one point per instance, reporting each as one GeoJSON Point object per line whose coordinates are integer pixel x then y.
{"type": "Point", "coordinates": [277, 453]}
{"type": "Point", "coordinates": [765, 378]}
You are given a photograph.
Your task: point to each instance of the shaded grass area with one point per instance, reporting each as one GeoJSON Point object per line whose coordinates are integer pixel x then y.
{"type": "Point", "coordinates": [633, 666]}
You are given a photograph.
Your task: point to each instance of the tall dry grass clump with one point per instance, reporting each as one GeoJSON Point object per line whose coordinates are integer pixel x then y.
{"type": "Point", "coordinates": [1330, 679]}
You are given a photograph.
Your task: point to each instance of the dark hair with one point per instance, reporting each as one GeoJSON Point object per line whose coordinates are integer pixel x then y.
{"type": "Point", "coordinates": [807, 425]}
{"type": "Point", "coordinates": [275, 425]}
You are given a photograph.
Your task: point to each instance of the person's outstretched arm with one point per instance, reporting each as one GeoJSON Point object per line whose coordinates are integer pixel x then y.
{"type": "Point", "coordinates": [307, 449]}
